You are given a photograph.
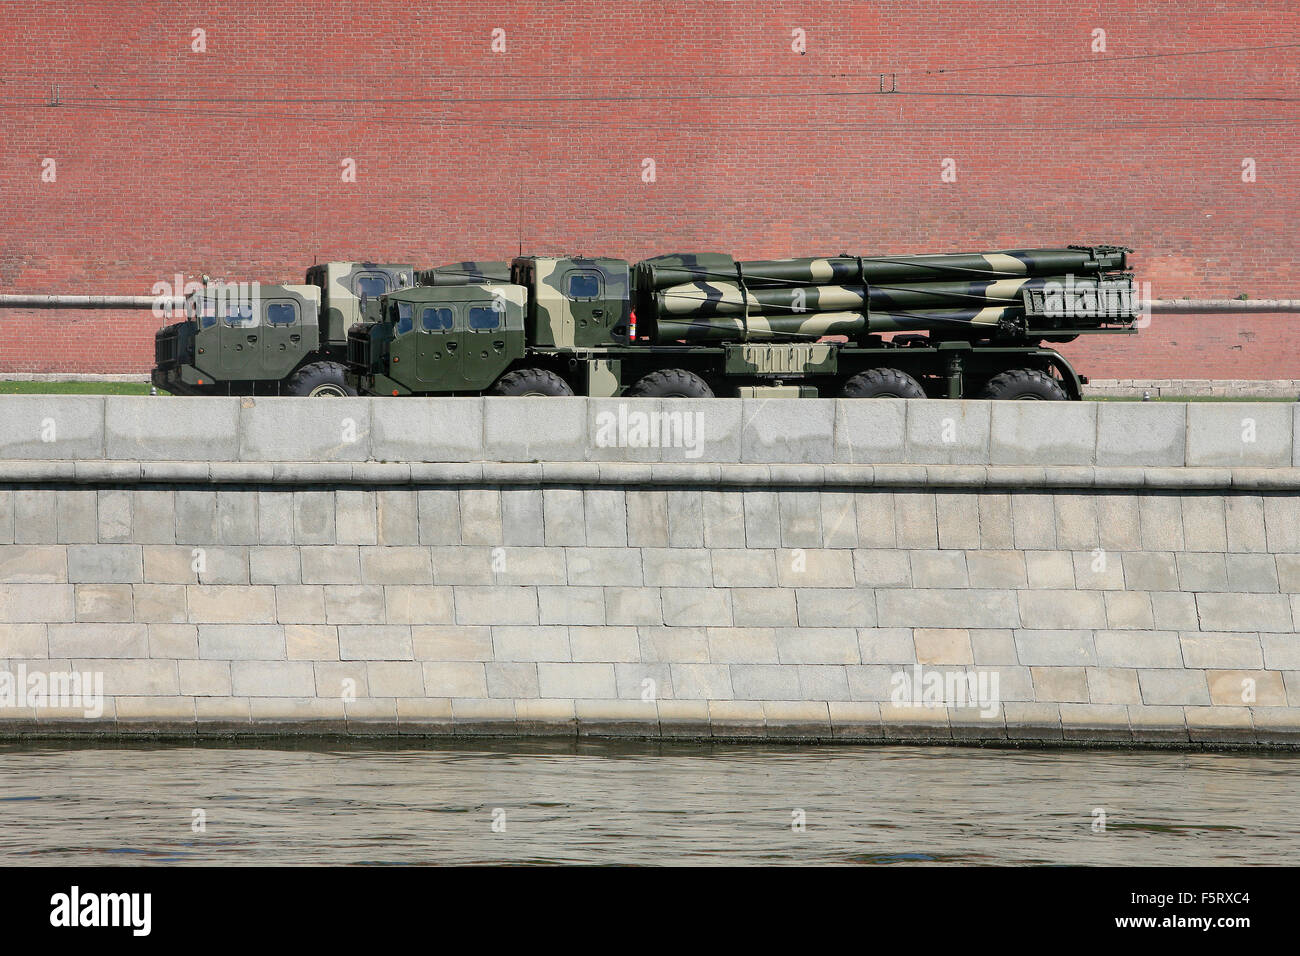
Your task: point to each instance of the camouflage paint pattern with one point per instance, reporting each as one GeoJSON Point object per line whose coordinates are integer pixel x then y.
{"type": "Point", "coordinates": [792, 272]}
{"type": "Point", "coordinates": [557, 320]}
{"type": "Point", "coordinates": [761, 327]}
{"type": "Point", "coordinates": [662, 272]}
{"type": "Point", "coordinates": [464, 273]}
{"type": "Point", "coordinates": [1012, 263]}
{"type": "Point", "coordinates": [341, 297]}
{"type": "Point", "coordinates": [973, 323]}
{"type": "Point", "coordinates": [728, 298]}
{"type": "Point", "coordinates": [604, 377]}
{"type": "Point", "coordinates": [971, 294]}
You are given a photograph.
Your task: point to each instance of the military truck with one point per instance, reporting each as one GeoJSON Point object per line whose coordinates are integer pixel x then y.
{"type": "Point", "coordinates": [701, 325]}
{"type": "Point", "coordinates": [249, 338]}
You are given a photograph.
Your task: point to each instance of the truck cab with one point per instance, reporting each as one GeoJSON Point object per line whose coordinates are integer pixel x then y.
{"type": "Point", "coordinates": [230, 342]}
{"type": "Point", "coordinates": [345, 286]}
{"type": "Point", "coordinates": [575, 302]}
{"type": "Point", "coordinates": [438, 340]}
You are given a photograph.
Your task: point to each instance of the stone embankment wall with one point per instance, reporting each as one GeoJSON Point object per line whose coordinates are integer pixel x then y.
{"type": "Point", "coordinates": [872, 570]}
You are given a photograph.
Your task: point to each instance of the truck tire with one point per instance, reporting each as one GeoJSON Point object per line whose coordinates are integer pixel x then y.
{"type": "Point", "coordinates": [671, 383]}
{"type": "Point", "coordinates": [1024, 385]}
{"type": "Point", "coordinates": [531, 381]}
{"type": "Point", "coordinates": [882, 383]}
{"type": "Point", "coordinates": [319, 380]}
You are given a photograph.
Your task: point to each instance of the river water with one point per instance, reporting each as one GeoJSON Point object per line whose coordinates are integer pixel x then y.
{"type": "Point", "coordinates": [567, 802]}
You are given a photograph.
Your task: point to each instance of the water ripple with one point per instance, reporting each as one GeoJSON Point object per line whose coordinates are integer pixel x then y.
{"type": "Point", "coordinates": [548, 802]}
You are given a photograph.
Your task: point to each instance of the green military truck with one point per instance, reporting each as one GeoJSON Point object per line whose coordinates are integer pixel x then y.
{"type": "Point", "coordinates": [697, 326]}
{"type": "Point", "coordinates": [272, 339]}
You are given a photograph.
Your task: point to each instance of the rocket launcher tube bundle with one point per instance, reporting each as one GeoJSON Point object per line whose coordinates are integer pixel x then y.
{"type": "Point", "coordinates": [711, 297]}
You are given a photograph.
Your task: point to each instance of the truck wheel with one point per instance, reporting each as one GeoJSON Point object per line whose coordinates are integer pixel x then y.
{"type": "Point", "coordinates": [671, 383]}
{"type": "Point", "coordinates": [882, 383]}
{"type": "Point", "coordinates": [531, 381]}
{"type": "Point", "coordinates": [319, 380]}
{"type": "Point", "coordinates": [1024, 385]}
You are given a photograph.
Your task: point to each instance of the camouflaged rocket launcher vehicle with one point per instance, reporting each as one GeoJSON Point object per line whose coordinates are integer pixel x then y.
{"type": "Point", "coordinates": [248, 338]}
{"type": "Point", "coordinates": [700, 325]}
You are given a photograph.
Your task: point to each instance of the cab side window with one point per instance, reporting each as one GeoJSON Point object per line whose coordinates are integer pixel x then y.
{"type": "Point", "coordinates": [240, 316]}
{"type": "Point", "coordinates": [435, 320]}
{"type": "Point", "coordinates": [483, 318]}
{"type": "Point", "coordinates": [583, 285]}
{"type": "Point", "coordinates": [371, 285]}
{"type": "Point", "coordinates": [205, 317]}
{"type": "Point", "coordinates": [281, 313]}
{"type": "Point", "coordinates": [403, 313]}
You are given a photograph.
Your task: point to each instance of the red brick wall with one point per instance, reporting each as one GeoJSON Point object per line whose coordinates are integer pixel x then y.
{"type": "Point", "coordinates": [243, 179]}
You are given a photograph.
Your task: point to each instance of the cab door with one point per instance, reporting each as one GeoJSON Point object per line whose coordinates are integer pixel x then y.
{"type": "Point", "coordinates": [239, 333]}
{"type": "Point", "coordinates": [207, 336]}
{"type": "Point", "coordinates": [437, 347]}
{"type": "Point", "coordinates": [584, 287]}
{"type": "Point", "coordinates": [483, 343]}
{"type": "Point", "coordinates": [281, 336]}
